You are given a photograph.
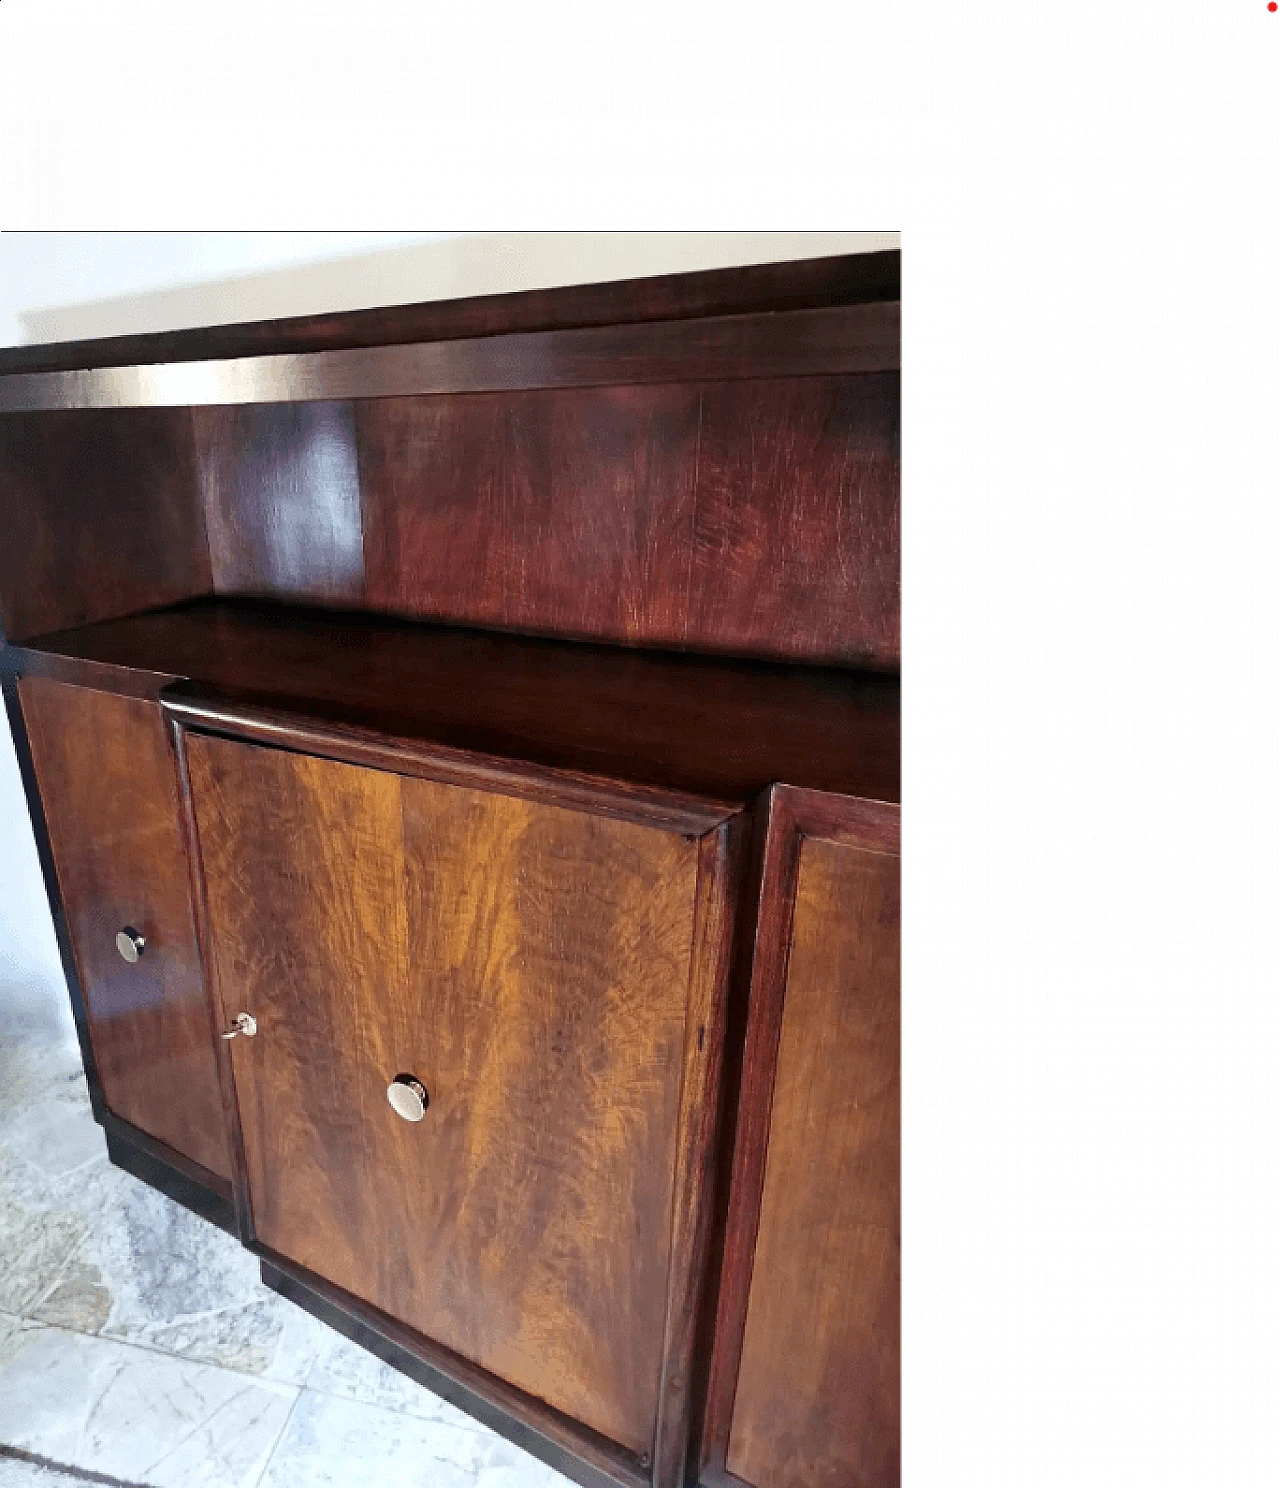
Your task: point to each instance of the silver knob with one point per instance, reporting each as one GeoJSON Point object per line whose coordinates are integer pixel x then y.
{"type": "Point", "coordinates": [408, 1097]}
{"type": "Point", "coordinates": [242, 1023]}
{"type": "Point", "coordinates": [131, 944]}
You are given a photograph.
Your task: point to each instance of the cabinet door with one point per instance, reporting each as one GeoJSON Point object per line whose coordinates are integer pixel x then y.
{"type": "Point", "coordinates": [109, 792]}
{"type": "Point", "coordinates": [805, 1389]}
{"type": "Point", "coordinates": [537, 969]}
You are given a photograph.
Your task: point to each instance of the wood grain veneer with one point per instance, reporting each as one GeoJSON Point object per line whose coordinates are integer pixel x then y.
{"type": "Point", "coordinates": [102, 516]}
{"type": "Point", "coordinates": [110, 798]}
{"type": "Point", "coordinates": [533, 966]}
{"type": "Point", "coordinates": [753, 518]}
{"type": "Point", "coordinates": [804, 1386]}
{"type": "Point", "coordinates": [652, 1212]}
{"type": "Point", "coordinates": [281, 492]}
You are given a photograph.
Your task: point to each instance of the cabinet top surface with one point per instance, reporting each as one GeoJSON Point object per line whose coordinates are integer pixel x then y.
{"type": "Point", "coordinates": [715, 726]}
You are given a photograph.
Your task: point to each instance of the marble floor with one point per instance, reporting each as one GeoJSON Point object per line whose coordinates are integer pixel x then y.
{"type": "Point", "coordinates": [138, 1346]}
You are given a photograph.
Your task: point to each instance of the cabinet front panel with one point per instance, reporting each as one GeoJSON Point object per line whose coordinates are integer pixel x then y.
{"type": "Point", "coordinates": [530, 966]}
{"type": "Point", "coordinates": [109, 791]}
{"type": "Point", "coordinates": [817, 1389]}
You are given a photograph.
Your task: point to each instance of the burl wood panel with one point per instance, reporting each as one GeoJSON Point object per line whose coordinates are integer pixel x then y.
{"type": "Point", "coordinates": [796, 543]}
{"type": "Point", "coordinates": [282, 500]}
{"type": "Point", "coordinates": [752, 517]}
{"type": "Point", "coordinates": [531, 966]}
{"type": "Point", "coordinates": [817, 1398]}
{"type": "Point", "coordinates": [109, 792]}
{"type": "Point", "coordinates": [100, 516]}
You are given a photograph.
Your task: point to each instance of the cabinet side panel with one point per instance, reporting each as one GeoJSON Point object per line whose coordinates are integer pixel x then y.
{"type": "Point", "coordinates": [101, 516]}
{"type": "Point", "coordinates": [818, 1392]}
{"type": "Point", "coordinates": [109, 791]}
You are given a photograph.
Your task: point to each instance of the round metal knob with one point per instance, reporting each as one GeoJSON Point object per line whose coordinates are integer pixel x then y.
{"type": "Point", "coordinates": [408, 1097]}
{"type": "Point", "coordinates": [244, 1023]}
{"type": "Point", "coordinates": [131, 944]}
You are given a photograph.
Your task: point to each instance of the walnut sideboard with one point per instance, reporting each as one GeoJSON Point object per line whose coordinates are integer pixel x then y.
{"type": "Point", "coordinates": [462, 743]}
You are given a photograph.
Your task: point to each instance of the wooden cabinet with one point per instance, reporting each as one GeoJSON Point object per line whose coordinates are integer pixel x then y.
{"type": "Point", "coordinates": [805, 1383]}
{"type": "Point", "coordinates": [550, 976]}
{"type": "Point", "coordinates": [496, 702]}
{"type": "Point", "coordinates": [110, 800]}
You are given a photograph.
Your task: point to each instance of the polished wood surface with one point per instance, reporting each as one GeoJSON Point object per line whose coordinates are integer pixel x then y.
{"type": "Point", "coordinates": [817, 1397]}
{"type": "Point", "coordinates": [796, 343]}
{"type": "Point", "coordinates": [672, 811]}
{"type": "Point", "coordinates": [101, 517]}
{"type": "Point", "coordinates": [756, 519]}
{"type": "Point", "coordinates": [109, 791]}
{"type": "Point", "coordinates": [721, 863]}
{"type": "Point", "coordinates": [467, 645]}
{"type": "Point", "coordinates": [77, 671]}
{"type": "Point", "coordinates": [795, 547]}
{"type": "Point", "coordinates": [722, 483]}
{"type": "Point", "coordinates": [564, 512]}
{"type": "Point", "coordinates": [717, 727]}
{"type": "Point", "coordinates": [805, 284]}
{"type": "Point", "coordinates": [804, 1385]}
{"type": "Point", "coordinates": [538, 969]}
{"type": "Point", "coordinates": [281, 492]}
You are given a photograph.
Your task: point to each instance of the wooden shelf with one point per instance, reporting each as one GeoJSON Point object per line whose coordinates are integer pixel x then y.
{"type": "Point", "coordinates": [720, 727]}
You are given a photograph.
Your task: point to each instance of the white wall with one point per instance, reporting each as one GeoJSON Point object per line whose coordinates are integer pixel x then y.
{"type": "Point", "coordinates": [60, 286]}
{"type": "Point", "coordinates": [63, 286]}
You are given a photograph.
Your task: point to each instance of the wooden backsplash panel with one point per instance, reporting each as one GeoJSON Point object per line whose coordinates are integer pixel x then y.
{"type": "Point", "coordinates": [282, 500]}
{"type": "Point", "coordinates": [432, 483]}
{"type": "Point", "coordinates": [566, 512]}
{"type": "Point", "coordinates": [796, 549]}
{"type": "Point", "coordinates": [101, 516]}
{"type": "Point", "coordinates": [601, 535]}
{"type": "Point", "coordinates": [753, 517]}
{"type": "Point", "coordinates": [756, 517]}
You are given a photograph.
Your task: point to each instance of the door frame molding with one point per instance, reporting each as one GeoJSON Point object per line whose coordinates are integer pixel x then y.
{"type": "Point", "coordinates": [791, 816]}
